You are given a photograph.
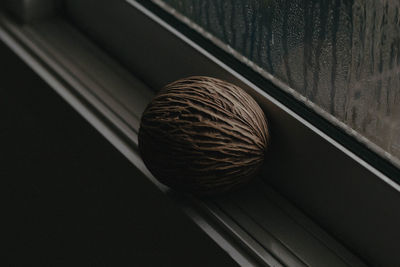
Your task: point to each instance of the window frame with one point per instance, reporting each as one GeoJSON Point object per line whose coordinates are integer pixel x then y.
{"type": "Point", "coordinates": [371, 172]}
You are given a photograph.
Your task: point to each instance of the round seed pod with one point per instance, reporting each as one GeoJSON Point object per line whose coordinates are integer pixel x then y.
{"type": "Point", "coordinates": [203, 135]}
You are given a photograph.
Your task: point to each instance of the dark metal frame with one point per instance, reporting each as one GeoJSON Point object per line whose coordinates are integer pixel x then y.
{"type": "Point", "coordinates": [349, 191]}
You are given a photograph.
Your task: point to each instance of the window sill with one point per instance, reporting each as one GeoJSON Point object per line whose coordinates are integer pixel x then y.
{"type": "Point", "coordinates": [257, 225]}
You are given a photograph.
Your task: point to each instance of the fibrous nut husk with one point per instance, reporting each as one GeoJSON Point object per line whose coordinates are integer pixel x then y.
{"type": "Point", "coordinates": [203, 135]}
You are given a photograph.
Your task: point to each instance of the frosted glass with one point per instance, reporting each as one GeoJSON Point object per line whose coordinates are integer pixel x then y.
{"type": "Point", "coordinates": [341, 56]}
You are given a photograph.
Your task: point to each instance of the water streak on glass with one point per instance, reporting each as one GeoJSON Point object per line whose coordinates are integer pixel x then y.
{"type": "Point", "coordinates": [342, 55]}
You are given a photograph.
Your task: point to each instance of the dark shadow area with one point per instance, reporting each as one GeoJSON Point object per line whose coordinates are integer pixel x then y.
{"type": "Point", "coordinates": [72, 199]}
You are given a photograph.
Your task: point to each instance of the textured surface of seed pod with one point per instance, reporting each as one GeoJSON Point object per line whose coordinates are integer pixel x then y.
{"type": "Point", "coordinates": [203, 135]}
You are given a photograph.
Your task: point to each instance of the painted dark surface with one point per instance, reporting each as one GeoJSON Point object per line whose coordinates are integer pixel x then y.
{"type": "Point", "coordinates": [343, 56]}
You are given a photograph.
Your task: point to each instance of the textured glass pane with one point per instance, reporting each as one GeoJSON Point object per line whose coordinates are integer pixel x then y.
{"type": "Point", "coordinates": [341, 57]}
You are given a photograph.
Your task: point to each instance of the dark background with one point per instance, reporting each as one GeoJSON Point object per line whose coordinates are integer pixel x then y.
{"type": "Point", "coordinates": [72, 199]}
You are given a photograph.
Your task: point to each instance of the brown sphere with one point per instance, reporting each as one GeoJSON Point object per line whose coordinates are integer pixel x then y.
{"type": "Point", "coordinates": [203, 135]}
